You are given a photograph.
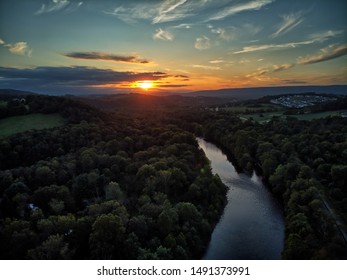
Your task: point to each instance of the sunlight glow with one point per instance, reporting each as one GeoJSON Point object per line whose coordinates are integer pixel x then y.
{"type": "Point", "coordinates": [145, 85]}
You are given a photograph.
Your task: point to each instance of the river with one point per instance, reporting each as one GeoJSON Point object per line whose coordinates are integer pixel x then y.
{"type": "Point", "coordinates": [252, 226]}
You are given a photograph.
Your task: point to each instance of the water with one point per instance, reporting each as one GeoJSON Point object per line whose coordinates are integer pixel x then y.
{"type": "Point", "coordinates": [251, 227]}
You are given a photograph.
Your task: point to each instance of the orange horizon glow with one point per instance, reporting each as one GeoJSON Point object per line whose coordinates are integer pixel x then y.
{"type": "Point", "coordinates": [145, 85]}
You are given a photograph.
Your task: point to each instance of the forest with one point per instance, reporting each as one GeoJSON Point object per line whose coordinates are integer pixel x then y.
{"type": "Point", "coordinates": [133, 184]}
{"type": "Point", "coordinates": [105, 186]}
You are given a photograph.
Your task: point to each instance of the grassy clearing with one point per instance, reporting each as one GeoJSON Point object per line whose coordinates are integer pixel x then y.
{"type": "Point", "coordinates": [3, 103]}
{"type": "Point", "coordinates": [320, 115]}
{"type": "Point", "coordinates": [12, 125]}
{"type": "Point", "coordinates": [265, 117]}
{"type": "Point", "coordinates": [253, 108]}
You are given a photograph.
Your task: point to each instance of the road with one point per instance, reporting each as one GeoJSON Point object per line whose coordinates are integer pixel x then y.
{"type": "Point", "coordinates": [338, 222]}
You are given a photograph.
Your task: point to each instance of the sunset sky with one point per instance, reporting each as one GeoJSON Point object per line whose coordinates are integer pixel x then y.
{"type": "Point", "coordinates": [71, 47]}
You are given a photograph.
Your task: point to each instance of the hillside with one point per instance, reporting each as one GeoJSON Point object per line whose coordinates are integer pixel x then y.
{"type": "Point", "coordinates": [258, 92]}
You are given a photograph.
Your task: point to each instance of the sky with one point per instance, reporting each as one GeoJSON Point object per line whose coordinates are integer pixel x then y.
{"type": "Point", "coordinates": [115, 46]}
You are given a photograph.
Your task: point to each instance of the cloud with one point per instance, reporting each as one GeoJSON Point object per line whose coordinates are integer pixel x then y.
{"type": "Point", "coordinates": [289, 22]}
{"type": "Point", "coordinates": [325, 35]}
{"type": "Point", "coordinates": [293, 82]}
{"type": "Point", "coordinates": [58, 5]}
{"type": "Point", "coordinates": [225, 33]}
{"type": "Point", "coordinates": [164, 35]}
{"type": "Point", "coordinates": [282, 67]}
{"type": "Point", "coordinates": [202, 43]}
{"type": "Point", "coordinates": [166, 11]}
{"type": "Point", "coordinates": [182, 77]}
{"type": "Point", "coordinates": [258, 73]}
{"type": "Point", "coordinates": [206, 67]}
{"type": "Point", "coordinates": [256, 48]}
{"type": "Point", "coordinates": [216, 61]}
{"type": "Point", "coordinates": [183, 26]}
{"type": "Point", "coordinates": [106, 56]}
{"type": "Point", "coordinates": [67, 77]}
{"type": "Point", "coordinates": [235, 33]}
{"type": "Point", "coordinates": [316, 38]}
{"type": "Point", "coordinates": [325, 54]}
{"type": "Point", "coordinates": [19, 48]}
{"type": "Point", "coordinates": [172, 86]}
{"type": "Point", "coordinates": [232, 10]}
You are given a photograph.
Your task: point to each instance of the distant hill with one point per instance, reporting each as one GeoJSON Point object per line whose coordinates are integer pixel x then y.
{"type": "Point", "coordinates": [258, 92]}
{"type": "Point", "coordinates": [150, 102]}
{"type": "Point", "coordinates": [196, 98]}
{"type": "Point", "coordinates": [14, 92]}
{"type": "Point", "coordinates": [8, 94]}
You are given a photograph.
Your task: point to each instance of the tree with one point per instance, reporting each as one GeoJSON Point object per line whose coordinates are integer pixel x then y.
{"type": "Point", "coordinates": [17, 239]}
{"type": "Point", "coordinates": [167, 221]}
{"type": "Point", "coordinates": [44, 176]}
{"type": "Point", "coordinates": [54, 248]}
{"type": "Point", "coordinates": [113, 191]}
{"type": "Point", "coordinates": [106, 239]}
{"type": "Point", "coordinates": [339, 176]}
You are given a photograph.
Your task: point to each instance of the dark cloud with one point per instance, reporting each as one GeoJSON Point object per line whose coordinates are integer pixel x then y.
{"type": "Point", "coordinates": [69, 77]}
{"type": "Point", "coordinates": [106, 56]}
{"type": "Point", "coordinates": [182, 76]}
{"type": "Point", "coordinates": [172, 86]}
{"type": "Point", "coordinates": [294, 82]}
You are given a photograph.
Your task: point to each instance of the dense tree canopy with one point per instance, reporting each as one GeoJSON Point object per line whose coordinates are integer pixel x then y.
{"type": "Point", "coordinates": [105, 186]}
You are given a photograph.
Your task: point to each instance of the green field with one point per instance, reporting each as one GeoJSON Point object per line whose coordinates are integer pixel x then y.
{"type": "Point", "coordinates": [12, 125]}
{"type": "Point", "coordinates": [243, 109]}
{"type": "Point", "coordinates": [265, 117]}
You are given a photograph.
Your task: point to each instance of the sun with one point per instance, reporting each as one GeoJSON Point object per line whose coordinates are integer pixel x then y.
{"type": "Point", "coordinates": [146, 85]}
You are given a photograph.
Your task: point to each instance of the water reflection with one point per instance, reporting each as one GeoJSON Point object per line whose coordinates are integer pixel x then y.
{"type": "Point", "coordinates": [251, 226]}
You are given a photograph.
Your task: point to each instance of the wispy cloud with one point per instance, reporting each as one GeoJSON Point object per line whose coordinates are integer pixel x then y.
{"type": "Point", "coordinates": [235, 9]}
{"type": "Point", "coordinates": [202, 43]}
{"type": "Point", "coordinates": [216, 61]}
{"type": "Point", "coordinates": [164, 35]}
{"type": "Point", "coordinates": [58, 5]}
{"type": "Point", "coordinates": [325, 35]}
{"type": "Point", "coordinates": [282, 67]}
{"type": "Point", "coordinates": [232, 33]}
{"type": "Point", "coordinates": [289, 22]}
{"type": "Point", "coordinates": [225, 33]}
{"type": "Point", "coordinates": [106, 56]}
{"type": "Point", "coordinates": [259, 75]}
{"type": "Point", "coordinates": [316, 38]}
{"type": "Point", "coordinates": [256, 48]}
{"type": "Point", "coordinates": [206, 67]}
{"type": "Point", "coordinates": [183, 26]}
{"type": "Point", "coordinates": [328, 53]}
{"type": "Point", "coordinates": [166, 11]}
{"type": "Point", "coordinates": [325, 54]}
{"type": "Point", "coordinates": [19, 48]}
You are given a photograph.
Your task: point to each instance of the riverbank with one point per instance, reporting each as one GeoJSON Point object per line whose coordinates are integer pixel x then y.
{"type": "Point", "coordinates": [252, 225]}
